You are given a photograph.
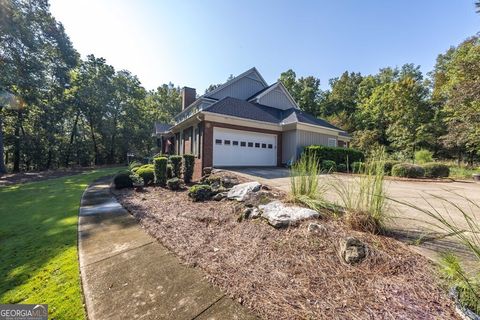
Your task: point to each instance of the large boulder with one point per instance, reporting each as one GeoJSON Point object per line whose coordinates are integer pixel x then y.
{"type": "Point", "coordinates": [278, 215]}
{"type": "Point", "coordinates": [352, 250]}
{"type": "Point", "coordinates": [239, 192]}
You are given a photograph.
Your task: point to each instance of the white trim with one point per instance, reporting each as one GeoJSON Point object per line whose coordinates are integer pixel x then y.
{"type": "Point", "coordinates": [215, 117]}
{"type": "Point", "coordinates": [235, 79]}
{"type": "Point", "coordinates": [280, 85]}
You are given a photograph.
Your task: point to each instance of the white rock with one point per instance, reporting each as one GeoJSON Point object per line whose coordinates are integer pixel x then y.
{"type": "Point", "coordinates": [279, 215]}
{"type": "Point", "coordinates": [240, 191]}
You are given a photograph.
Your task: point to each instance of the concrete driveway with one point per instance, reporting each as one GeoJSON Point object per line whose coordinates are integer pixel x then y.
{"type": "Point", "coordinates": [408, 224]}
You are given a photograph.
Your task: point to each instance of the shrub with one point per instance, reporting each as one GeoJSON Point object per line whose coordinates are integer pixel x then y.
{"type": "Point", "coordinates": [188, 166]}
{"type": "Point", "coordinates": [146, 172]}
{"type": "Point", "coordinates": [176, 166]}
{"type": "Point", "coordinates": [338, 155]}
{"type": "Point", "coordinates": [423, 156]}
{"type": "Point", "coordinates": [358, 167]}
{"type": "Point", "coordinates": [133, 166]}
{"type": "Point", "coordinates": [122, 180]}
{"type": "Point", "coordinates": [174, 184]}
{"type": "Point", "coordinates": [342, 167]}
{"type": "Point", "coordinates": [169, 171]}
{"type": "Point", "coordinates": [388, 165]}
{"type": "Point", "coordinates": [200, 192]}
{"type": "Point", "coordinates": [407, 170]}
{"type": "Point", "coordinates": [329, 166]}
{"type": "Point", "coordinates": [436, 170]}
{"type": "Point", "coordinates": [136, 180]}
{"type": "Point", "coordinates": [160, 171]}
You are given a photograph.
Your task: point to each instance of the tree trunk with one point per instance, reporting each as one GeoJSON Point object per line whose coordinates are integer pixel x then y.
{"type": "Point", "coordinates": [16, 145]}
{"type": "Point", "coordinates": [3, 169]}
{"type": "Point", "coordinates": [95, 147]}
{"type": "Point", "coordinates": [111, 157]}
{"type": "Point", "coordinates": [72, 138]}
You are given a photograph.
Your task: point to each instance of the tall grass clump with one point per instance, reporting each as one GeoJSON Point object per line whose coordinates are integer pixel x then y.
{"type": "Point", "coordinates": [363, 198]}
{"type": "Point", "coordinates": [304, 182]}
{"type": "Point", "coordinates": [467, 232]}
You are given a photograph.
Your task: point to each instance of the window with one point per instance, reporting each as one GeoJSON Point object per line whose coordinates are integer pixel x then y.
{"type": "Point", "coordinates": [257, 145]}
{"type": "Point", "coordinates": [250, 144]}
{"type": "Point", "coordinates": [243, 144]}
{"type": "Point", "coordinates": [264, 145]}
{"type": "Point", "coordinates": [332, 142]}
{"type": "Point", "coordinates": [270, 146]}
{"type": "Point", "coordinates": [218, 141]}
{"type": "Point", "coordinates": [226, 142]}
{"type": "Point", "coordinates": [235, 143]}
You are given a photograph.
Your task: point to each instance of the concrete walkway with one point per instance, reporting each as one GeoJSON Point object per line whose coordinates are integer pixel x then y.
{"type": "Point", "coordinates": [126, 274]}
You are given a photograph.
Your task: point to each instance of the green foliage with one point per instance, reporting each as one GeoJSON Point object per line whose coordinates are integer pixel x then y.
{"type": "Point", "coordinates": [436, 170]}
{"type": "Point", "coordinates": [200, 192]}
{"type": "Point", "coordinates": [160, 171]}
{"type": "Point", "coordinates": [39, 220]}
{"type": "Point", "coordinates": [147, 173]}
{"type": "Point", "coordinates": [169, 171]}
{"type": "Point", "coordinates": [388, 165]}
{"type": "Point", "coordinates": [364, 198]}
{"type": "Point", "coordinates": [328, 166]}
{"type": "Point", "coordinates": [358, 167]}
{"type": "Point", "coordinates": [133, 166]}
{"type": "Point", "coordinates": [176, 165]}
{"type": "Point", "coordinates": [342, 167]}
{"type": "Point", "coordinates": [338, 155]}
{"type": "Point", "coordinates": [423, 156]}
{"type": "Point", "coordinates": [189, 165]}
{"type": "Point", "coordinates": [123, 180]}
{"type": "Point", "coordinates": [174, 184]}
{"type": "Point", "coordinates": [407, 170]}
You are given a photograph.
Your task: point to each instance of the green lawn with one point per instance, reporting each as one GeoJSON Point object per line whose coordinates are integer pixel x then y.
{"type": "Point", "coordinates": [38, 243]}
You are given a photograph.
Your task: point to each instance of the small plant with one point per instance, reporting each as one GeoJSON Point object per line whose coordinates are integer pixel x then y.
{"type": "Point", "coordinates": [358, 167]}
{"type": "Point", "coordinates": [407, 170]}
{"type": "Point", "coordinates": [364, 198]}
{"type": "Point", "coordinates": [122, 180]}
{"type": "Point", "coordinates": [189, 165]}
{"type": "Point", "coordinates": [137, 181]}
{"type": "Point", "coordinates": [132, 166]}
{"type": "Point", "coordinates": [423, 156]}
{"type": "Point", "coordinates": [174, 184]}
{"type": "Point", "coordinates": [160, 171]}
{"type": "Point", "coordinates": [436, 170]}
{"type": "Point", "coordinates": [329, 166]}
{"type": "Point", "coordinates": [146, 172]}
{"type": "Point", "coordinates": [342, 167]}
{"type": "Point", "coordinates": [200, 192]}
{"type": "Point", "coordinates": [176, 166]}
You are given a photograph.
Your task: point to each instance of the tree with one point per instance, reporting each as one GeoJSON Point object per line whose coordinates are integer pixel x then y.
{"type": "Point", "coordinates": [305, 91]}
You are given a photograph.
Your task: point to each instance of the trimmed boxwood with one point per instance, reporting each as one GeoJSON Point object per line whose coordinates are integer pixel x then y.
{"type": "Point", "coordinates": [174, 184]}
{"type": "Point", "coordinates": [200, 192]}
{"type": "Point", "coordinates": [169, 171]}
{"type": "Point", "coordinates": [188, 166]}
{"type": "Point", "coordinates": [407, 170]}
{"type": "Point", "coordinates": [338, 155]}
{"type": "Point", "coordinates": [388, 165]}
{"type": "Point", "coordinates": [342, 167]}
{"type": "Point", "coordinates": [176, 166]}
{"type": "Point", "coordinates": [328, 166]}
{"type": "Point", "coordinates": [122, 180]}
{"type": "Point", "coordinates": [146, 172]}
{"type": "Point", "coordinates": [160, 171]}
{"type": "Point", "coordinates": [436, 170]}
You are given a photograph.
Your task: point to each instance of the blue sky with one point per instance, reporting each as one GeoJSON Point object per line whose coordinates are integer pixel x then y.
{"type": "Point", "coordinates": [196, 43]}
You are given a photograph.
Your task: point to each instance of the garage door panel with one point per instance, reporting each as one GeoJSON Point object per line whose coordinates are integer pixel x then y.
{"type": "Point", "coordinates": [243, 148]}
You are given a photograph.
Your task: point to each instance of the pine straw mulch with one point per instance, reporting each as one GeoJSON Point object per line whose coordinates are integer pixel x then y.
{"type": "Point", "coordinates": [288, 273]}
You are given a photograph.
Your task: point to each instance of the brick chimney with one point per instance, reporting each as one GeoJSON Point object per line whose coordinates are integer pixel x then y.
{"type": "Point", "coordinates": [189, 95]}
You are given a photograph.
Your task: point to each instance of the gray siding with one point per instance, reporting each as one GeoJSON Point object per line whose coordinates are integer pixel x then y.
{"type": "Point", "coordinates": [277, 99]}
{"type": "Point", "coordinates": [242, 89]}
{"type": "Point", "coordinates": [289, 147]}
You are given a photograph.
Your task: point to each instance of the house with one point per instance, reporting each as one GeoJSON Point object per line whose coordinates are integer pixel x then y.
{"type": "Point", "coordinates": [244, 122]}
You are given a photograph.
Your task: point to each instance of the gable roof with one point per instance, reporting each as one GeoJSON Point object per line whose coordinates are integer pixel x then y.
{"type": "Point", "coordinates": [235, 79]}
{"type": "Point", "coordinates": [272, 87]}
{"type": "Point", "coordinates": [254, 111]}
{"type": "Point", "coordinates": [162, 127]}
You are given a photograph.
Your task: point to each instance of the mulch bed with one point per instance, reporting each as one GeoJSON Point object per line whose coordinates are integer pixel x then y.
{"type": "Point", "coordinates": [289, 273]}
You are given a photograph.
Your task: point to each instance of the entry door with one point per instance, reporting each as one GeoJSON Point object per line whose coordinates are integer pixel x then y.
{"type": "Point", "coordinates": [243, 148]}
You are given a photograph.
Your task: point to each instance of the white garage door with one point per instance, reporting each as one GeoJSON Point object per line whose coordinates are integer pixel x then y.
{"type": "Point", "coordinates": [243, 148]}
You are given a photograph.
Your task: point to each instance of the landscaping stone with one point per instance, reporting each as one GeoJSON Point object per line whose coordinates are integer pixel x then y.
{"type": "Point", "coordinates": [278, 215]}
{"type": "Point", "coordinates": [207, 171]}
{"type": "Point", "coordinates": [229, 182]}
{"type": "Point", "coordinates": [255, 213]}
{"type": "Point", "coordinates": [352, 250]}
{"type": "Point", "coordinates": [220, 196]}
{"type": "Point", "coordinates": [316, 228]}
{"type": "Point", "coordinates": [240, 191]}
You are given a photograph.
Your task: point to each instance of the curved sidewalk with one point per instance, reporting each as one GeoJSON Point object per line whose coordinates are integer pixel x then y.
{"type": "Point", "coordinates": [126, 274]}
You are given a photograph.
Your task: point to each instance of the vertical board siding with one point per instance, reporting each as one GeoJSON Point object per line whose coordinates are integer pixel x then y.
{"type": "Point", "coordinates": [242, 89]}
{"type": "Point", "coordinates": [289, 146]}
{"type": "Point", "coordinates": [307, 138]}
{"type": "Point", "coordinates": [276, 99]}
